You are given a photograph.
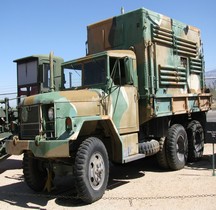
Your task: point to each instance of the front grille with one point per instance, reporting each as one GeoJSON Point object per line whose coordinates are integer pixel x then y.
{"type": "Point", "coordinates": [29, 127]}
{"type": "Point", "coordinates": [29, 131]}
{"type": "Point", "coordinates": [34, 121]}
{"type": "Point", "coordinates": [31, 114]}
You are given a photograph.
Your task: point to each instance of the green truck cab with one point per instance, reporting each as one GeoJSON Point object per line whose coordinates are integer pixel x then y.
{"type": "Point", "coordinates": [33, 77]}
{"type": "Point", "coordinates": [138, 92]}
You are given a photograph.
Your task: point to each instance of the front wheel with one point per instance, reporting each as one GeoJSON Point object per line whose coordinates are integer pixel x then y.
{"type": "Point", "coordinates": [177, 147]}
{"type": "Point", "coordinates": [91, 170]}
{"type": "Point", "coordinates": [35, 174]}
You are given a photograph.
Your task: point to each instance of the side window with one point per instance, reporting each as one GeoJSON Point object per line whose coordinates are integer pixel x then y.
{"type": "Point", "coordinates": [117, 70]}
{"type": "Point", "coordinates": [46, 76]}
{"type": "Point", "coordinates": [73, 76]}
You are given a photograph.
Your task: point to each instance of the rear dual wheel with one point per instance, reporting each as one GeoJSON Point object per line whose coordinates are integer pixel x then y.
{"type": "Point", "coordinates": [195, 135]}
{"type": "Point", "coordinates": [161, 155]}
{"type": "Point", "coordinates": [177, 147]}
{"type": "Point", "coordinates": [181, 145]}
{"type": "Point", "coordinates": [174, 149]}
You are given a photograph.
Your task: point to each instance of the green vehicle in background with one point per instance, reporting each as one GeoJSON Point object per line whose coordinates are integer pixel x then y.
{"type": "Point", "coordinates": [139, 91]}
{"type": "Point", "coordinates": [8, 125]}
{"type": "Point", "coordinates": [33, 77]}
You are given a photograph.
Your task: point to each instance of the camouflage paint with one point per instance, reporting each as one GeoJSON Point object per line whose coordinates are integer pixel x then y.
{"type": "Point", "coordinates": [73, 104]}
{"type": "Point", "coordinates": [168, 64]}
{"type": "Point", "coordinates": [169, 59]}
{"type": "Point", "coordinates": [124, 109]}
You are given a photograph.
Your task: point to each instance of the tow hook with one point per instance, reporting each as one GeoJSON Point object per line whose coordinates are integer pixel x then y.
{"type": "Point", "coordinates": [38, 138]}
{"type": "Point", "coordinates": [15, 140]}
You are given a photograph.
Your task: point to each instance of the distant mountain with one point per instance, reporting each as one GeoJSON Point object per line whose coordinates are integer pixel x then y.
{"type": "Point", "coordinates": [210, 73]}
{"type": "Point", "coordinates": [210, 77]}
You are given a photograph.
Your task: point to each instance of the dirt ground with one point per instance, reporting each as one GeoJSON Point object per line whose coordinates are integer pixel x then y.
{"type": "Point", "coordinates": [137, 185]}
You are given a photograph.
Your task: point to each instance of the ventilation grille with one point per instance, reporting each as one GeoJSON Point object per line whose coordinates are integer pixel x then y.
{"type": "Point", "coordinates": [181, 46]}
{"type": "Point", "coordinates": [172, 76]}
{"type": "Point", "coordinates": [195, 66]}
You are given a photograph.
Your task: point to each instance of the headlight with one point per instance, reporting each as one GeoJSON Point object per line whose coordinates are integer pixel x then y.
{"type": "Point", "coordinates": [51, 113]}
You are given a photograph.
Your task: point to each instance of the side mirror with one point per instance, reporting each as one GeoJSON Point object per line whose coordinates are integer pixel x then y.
{"type": "Point", "coordinates": [129, 72]}
{"type": "Point", "coordinates": [40, 74]}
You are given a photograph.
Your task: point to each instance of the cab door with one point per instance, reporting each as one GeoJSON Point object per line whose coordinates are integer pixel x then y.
{"type": "Point", "coordinates": [123, 106]}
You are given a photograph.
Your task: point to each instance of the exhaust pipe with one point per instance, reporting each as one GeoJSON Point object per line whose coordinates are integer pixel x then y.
{"type": "Point", "coordinates": [51, 72]}
{"type": "Point", "coordinates": [122, 10]}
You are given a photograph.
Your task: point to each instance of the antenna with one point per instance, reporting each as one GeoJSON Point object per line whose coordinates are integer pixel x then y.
{"type": "Point", "coordinates": [122, 10]}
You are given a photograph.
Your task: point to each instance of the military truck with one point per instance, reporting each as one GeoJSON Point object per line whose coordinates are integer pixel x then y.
{"type": "Point", "coordinates": [8, 125]}
{"type": "Point", "coordinates": [33, 77]}
{"type": "Point", "coordinates": [139, 91]}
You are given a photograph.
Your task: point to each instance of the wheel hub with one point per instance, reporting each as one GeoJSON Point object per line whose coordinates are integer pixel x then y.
{"type": "Point", "coordinates": [96, 171]}
{"type": "Point", "coordinates": [180, 148]}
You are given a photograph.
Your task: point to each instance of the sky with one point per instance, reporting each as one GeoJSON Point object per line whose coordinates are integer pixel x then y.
{"type": "Point", "coordinates": [29, 27]}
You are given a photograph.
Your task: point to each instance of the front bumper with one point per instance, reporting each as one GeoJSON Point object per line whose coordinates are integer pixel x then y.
{"type": "Point", "coordinates": [44, 148]}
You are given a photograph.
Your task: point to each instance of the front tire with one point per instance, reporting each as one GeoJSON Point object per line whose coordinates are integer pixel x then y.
{"type": "Point", "coordinates": [91, 170]}
{"type": "Point", "coordinates": [177, 147]}
{"type": "Point", "coordinates": [35, 174]}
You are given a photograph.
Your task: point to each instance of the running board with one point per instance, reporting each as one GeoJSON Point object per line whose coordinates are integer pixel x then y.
{"type": "Point", "coordinates": [134, 157]}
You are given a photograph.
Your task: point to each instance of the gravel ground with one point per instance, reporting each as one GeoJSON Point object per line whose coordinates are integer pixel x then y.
{"type": "Point", "coordinates": [137, 185]}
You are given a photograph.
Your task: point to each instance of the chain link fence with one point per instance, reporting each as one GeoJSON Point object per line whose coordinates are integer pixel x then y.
{"type": "Point", "coordinates": [117, 198]}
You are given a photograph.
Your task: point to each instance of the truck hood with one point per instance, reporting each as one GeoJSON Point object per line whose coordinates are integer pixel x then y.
{"type": "Point", "coordinates": [87, 95]}
{"type": "Point", "coordinates": [81, 95]}
{"type": "Point", "coordinates": [74, 102]}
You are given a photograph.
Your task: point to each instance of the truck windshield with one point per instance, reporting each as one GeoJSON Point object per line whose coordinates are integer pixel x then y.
{"type": "Point", "coordinates": [27, 73]}
{"type": "Point", "coordinates": [88, 73]}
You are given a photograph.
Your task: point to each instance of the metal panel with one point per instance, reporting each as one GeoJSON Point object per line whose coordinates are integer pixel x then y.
{"type": "Point", "coordinates": [210, 132]}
